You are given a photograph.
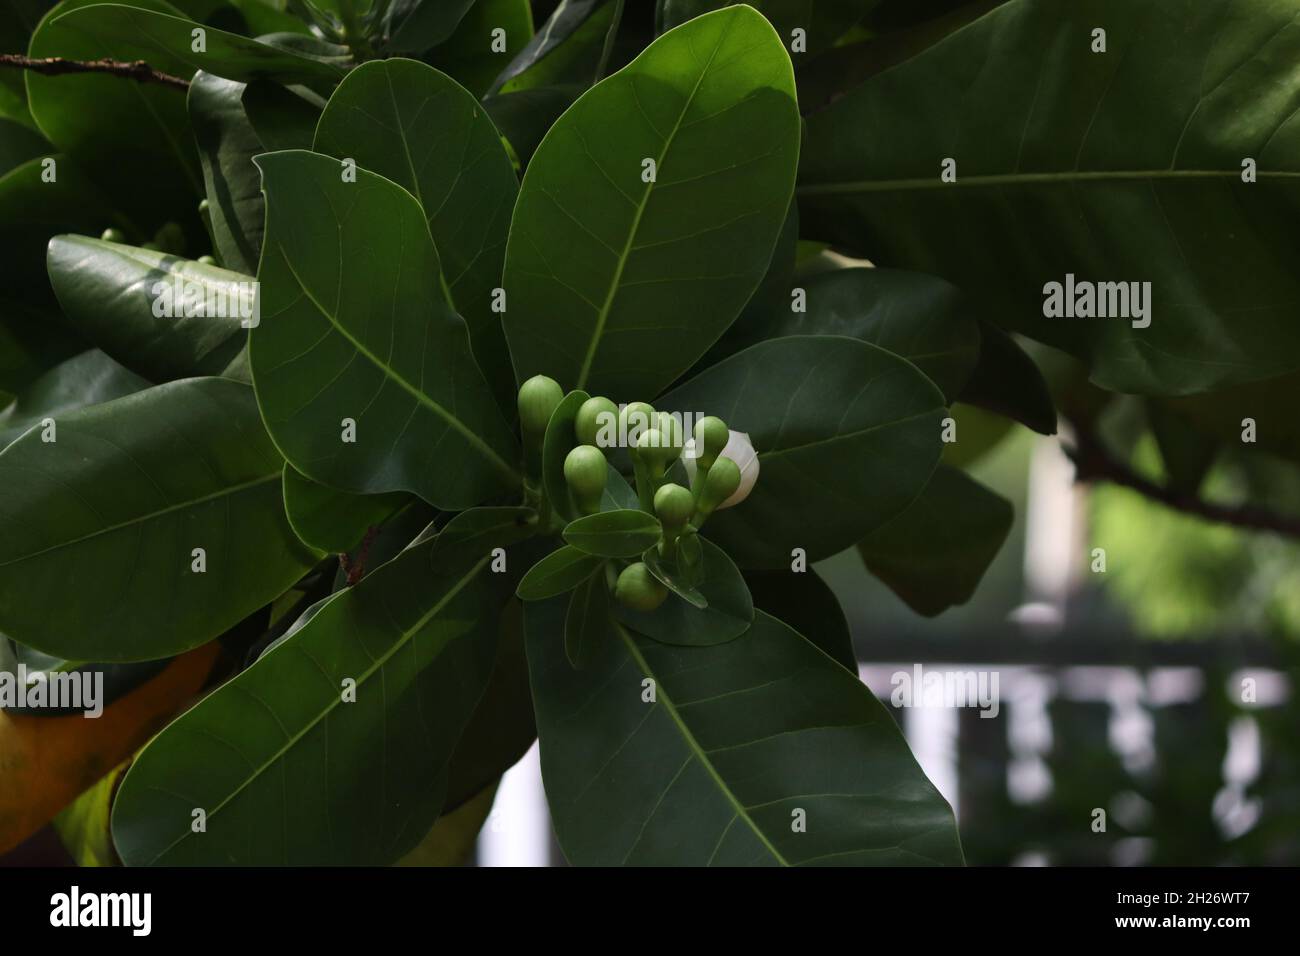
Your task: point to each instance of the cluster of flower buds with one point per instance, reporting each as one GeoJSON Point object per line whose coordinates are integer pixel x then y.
{"type": "Point", "coordinates": [720, 467]}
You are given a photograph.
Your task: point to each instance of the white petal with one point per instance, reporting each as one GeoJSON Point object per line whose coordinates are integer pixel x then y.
{"type": "Point", "coordinates": [741, 450]}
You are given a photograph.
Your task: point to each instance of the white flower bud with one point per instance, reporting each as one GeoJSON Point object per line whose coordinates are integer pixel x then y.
{"type": "Point", "coordinates": [740, 450]}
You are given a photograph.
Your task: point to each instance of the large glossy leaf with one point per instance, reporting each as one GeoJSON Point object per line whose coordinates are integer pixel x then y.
{"type": "Point", "coordinates": [100, 525]}
{"type": "Point", "coordinates": [331, 520]}
{"type": "Point", "coordinates": [738, 738]}
{"type": "Point", "coordinates": [588, 624]}
{"type": "Point", "coordinates": [823, 21]}
{"type": "Point", "coordinates": [1122, 166]}
{"type": "Point", "coordinates": [287, 770]}
{"type": "Point", "coordinates": [413, 26]}
{"type": "Point", "coordinates": [142, 126]}
{"type": "Point", "coordinates": [86, 379]}
{"type": "Point", "coordinates": [354, 326]}
{"type": "Point", "coordinates": [617, 284]}
{"type": "Point", "coordinates": [846, 435]}
{"type": "Point", "coordinates": [916, 316]}
{"type": "Point", "coordinates": [156, 33]}
{"type": "Point", "coordinates": [109, 291]}
{"type": "Point", "coordinates": [934, 554]}
{"type": "Point", "coordinates": [419, 128]}
{"type": "Point", "coordinates": [227, 144]}
{"type": "Point", "coordinates": [473, 55]}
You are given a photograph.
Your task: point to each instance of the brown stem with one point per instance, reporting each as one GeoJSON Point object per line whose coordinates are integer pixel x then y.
{"type": "Point", "coordinates": [57, 66]}
{"type": "Point", "coordinates": [1092, 462]}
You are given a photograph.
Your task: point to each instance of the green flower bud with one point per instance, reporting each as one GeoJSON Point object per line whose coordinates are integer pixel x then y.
{"type": "Point", "coordinates": [670, 427]}
{"type": "Point", "coordinates": [710, 438]}
{"type": "Point", "coordinates": [635, 418]}
{"type": "Point", "coordinates": [653, 449]}
{"type": "Point", "coordinates": [638, 589]}
{"type": "Point", "coordinates": [596, 415]}
{"type": "Point", "coordinates": [207, 260]}
{"type": "Point", "coordinates": [674, 505]}
{"type": "Point", "coordinates": [113, 235]}
{"type": "Point", "coordinates": [720, 484]}
{"type": "Point", "coordinates": [537, 400]}
{"type": "Point", "coordinates": [585, 472]}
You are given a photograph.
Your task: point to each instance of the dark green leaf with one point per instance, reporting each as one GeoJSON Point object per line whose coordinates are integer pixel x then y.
{"type": "Point", "coordinates": [737, 738]}
{"type": "Point", "coordinates": [159, 33]}
{"type": "Point", "coordinates": [614, 534]}
{"type": "Point", "coordinates": [100, 525]}
{"type": "Point", "coordinates": [525, 117]}
{"type": "Point", "coordinates": [413, 26]}
{"type": "Point", "coordinates": [469, 54]}
{"type": "Point", "coordinates": [566, 50]}
{"type": "Point", "coordinates": [355, 327]}
{"type": "Point", "coordinates": [845, 433]}
{"type": "Point", "coordinates": [1124, 166]}
{"type": "Point", "coordinates": [286, 770]}
{"type": "Point", "coordinates": [823, 21]}
{"type": "Point", "coordinates": [934, 553]}
{"type": "Point", "coordinates": [86, 379]}
{"type": "Point", "coordinates": [120, 297]}
{"type": "Point", "coordinates": [618, 285]}
{"type": "Point", "coordinates": [804, 602]}
{"type": "Point", "coordinates": [725, 615]}
{"type": "Point", "coordinates": [1007, 381]}
{"type": "Point", "coordinates": [283, 118]}
{"type": "Point", "coordinates": [560, 571]}
{"type": "Point", "coordinates": [588, 627]}
{"type": "Point", "coordinates": [227, 145]}
{"type": "Point", "coordinates": [419, 128]}
{"type": "Point", "coordinates": [331, 520]}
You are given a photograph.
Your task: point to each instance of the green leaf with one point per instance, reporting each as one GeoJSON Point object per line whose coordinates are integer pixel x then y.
{"type": "Point", "coordinates": [421, 129]}
{"type": "Point", "coordinates": [588, 627]}
{"type": "Point", "coordinates": [1220, 415]}
{"type": "Point", "coordinates": [682, 576]}
{"type": "Point", "coordinates": [451, 840]}
{"type": "Point", "coordinates": [824, 21]}
{"type": "Point", "coordinates": [86, 379]}
{"type": "Point", "coordinates": [331, 520]}
{"type": "Point", "coordinates": [726, 613]}
{"type": "Point", "coordinates": [917, 317]}
{"type": "Point", "coordinates": [618, 285]}
{"type": "Point", "coordinates": [227, 144]}
{"type": "Point", "coordinates": [156, 32]}
{"type": "Point", "coordinates": [82, 825]}
{"type": "Point", "coordinates": [1117, 167]}
{"type": "Point", "coordinates": [566, 51]}
{"type": "Point", "coordinates": [524, 118]}
{"type": "Point", "coordinates": [560, 571]}
{"type": "Point", "coordinates": [413, 26]}
{"type": "Point", "coordinates": [1007, 381]}
{"type": "Point", "coordinates": [143, 127]}
{"type": "Point", "coordinates": [803, 601]}
{"type": "Point", "coordinates": [737, 738]}
{"type": "Point", "coordinates": [558, 441]}
{"type": "Point", "coordinates": [934, 554]}
{"type": "Point", "coordinates": [846, 434]}
{"type": "Point", "coordinates": [614, 534]}
{"type": "Point", "coordinates": [287, 772]}
{"type": "Point", "coordinates": [115, 507]}
{"type": "Point", "coordinates": [354, 327]}
{"type": "Point", "coordinates": [469, 55]}
{"type": "Point", "coordinates": [283, 118]}
{"type": "Point", "coordinates": [114, 293]}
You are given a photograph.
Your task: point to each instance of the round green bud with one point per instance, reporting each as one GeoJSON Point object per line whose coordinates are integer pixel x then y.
{"type": "Point", "coordinates": [113, 235]}
{"type": "Point", "coordinates": [635, 418]}
{"type": "Point", "coordinates": [638, 589]}
{"type": "Point", "coordinates": [207, 260]}
{"type": "Point", "coordinates": [711, 437]}
{"type": "Point", "coordinates": [585, 473]}
{"type": "Point", "coordinates": [204, 206]}
{"type": "Point", "coordinates": [674, 506]}
{"type": "Point", "coordinates": [538, 398]}
{"type": "Point", "coordinates": [653, 449]}
{"type": "Point", "coordinates": [670, 427]}
{"type": "Point", "coordinates": [720, 484]}
{"type": "Point", "coordinates": [594, 416]}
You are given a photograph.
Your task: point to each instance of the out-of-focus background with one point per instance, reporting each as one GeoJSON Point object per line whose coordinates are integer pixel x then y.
{"type": "Point", "coordinates": [1161, 690]}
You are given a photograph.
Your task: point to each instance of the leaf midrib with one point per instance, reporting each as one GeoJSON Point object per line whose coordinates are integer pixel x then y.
{"type": "Point", "coordinates": [602, 316]}
{"type": "Point", "coordinates": [140, 519]}
{"type": "Point", "coordinates": [335, 699]}
{"type": "Point", "coordinates": [1017, 179]}
{"type": "Point", "coordinates": [456, 424]}
{"type": "Point", "coordinates": [697, 751]}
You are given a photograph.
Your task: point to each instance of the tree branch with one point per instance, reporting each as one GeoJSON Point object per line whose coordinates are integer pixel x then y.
{"type": "Point", "coordinates": [1092, 463]}
{"type": "Point", "coordinates": [137, 70]}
